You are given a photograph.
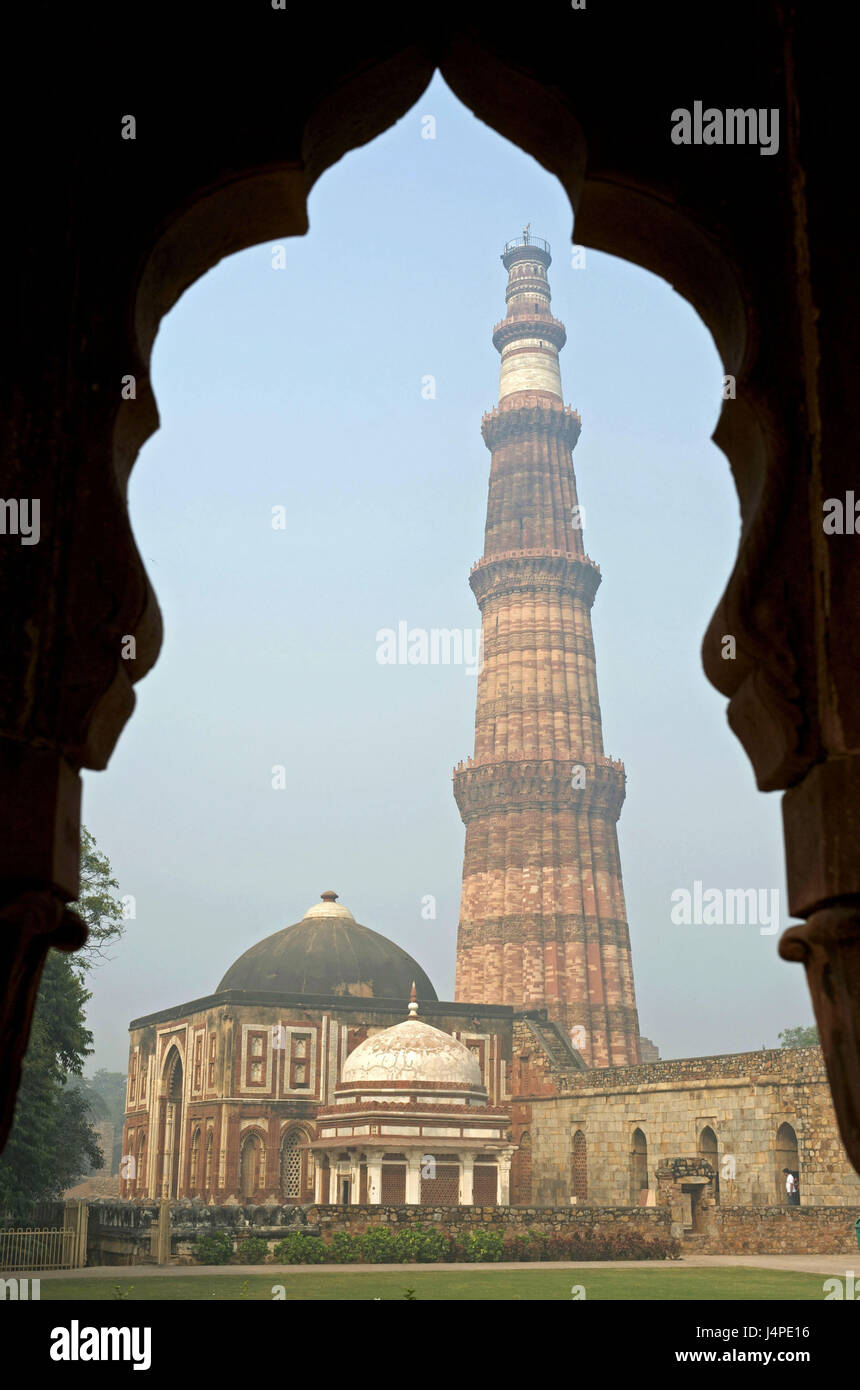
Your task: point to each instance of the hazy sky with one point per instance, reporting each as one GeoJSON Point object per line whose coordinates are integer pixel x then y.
{"type": "Point", "coordinates": [301, 388]}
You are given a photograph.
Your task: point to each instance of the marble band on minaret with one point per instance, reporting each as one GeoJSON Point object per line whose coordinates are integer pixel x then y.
{"type": "Point", "coordinates": [543, 921]}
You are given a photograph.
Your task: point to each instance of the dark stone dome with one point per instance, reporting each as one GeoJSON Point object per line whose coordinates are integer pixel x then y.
{"type": "Point", "coordinates": [328, 952]}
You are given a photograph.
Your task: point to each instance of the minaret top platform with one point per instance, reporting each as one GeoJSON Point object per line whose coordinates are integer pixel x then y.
{"type": "Point", "coordinates": [525, 246]}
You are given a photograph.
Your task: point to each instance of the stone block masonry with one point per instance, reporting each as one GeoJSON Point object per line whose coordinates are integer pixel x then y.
{"type": "Point", "coordinates": [781, 1231]}
{"type": "Point", "coordinates": [750, 1114]}
{"type": "Point", "coordinates": [455, 1221]}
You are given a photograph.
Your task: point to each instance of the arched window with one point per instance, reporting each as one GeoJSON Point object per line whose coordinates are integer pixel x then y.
{"type": "Point", "coordinates": [171, 1124]}
{"type": "Point", "coordinates": [638, 1166]}
{"type": "Point", "coordinates": [250, 1155]}
{"type": "Point", "coordinates": [708, 1148]}
{"type": "Point", "coordinates": [579, 1167]}
{"type": "Point", "coordinates": [194, 1166]}
{"type": "Point", "coordinates": [207, 1174]}
{"type": "Point", "coordinates": [291, 1165]}
{"type": "Point", "coordinates": [787, 1165]}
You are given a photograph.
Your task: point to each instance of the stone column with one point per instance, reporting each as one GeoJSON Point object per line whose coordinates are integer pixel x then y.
{"type": "Point", "coordinates": [413, 1178]}
{"type": "Point", "coordinates": [374, 1178]}
{"type": "Point", "coordinates": [169, 1140]}
{"type": "Point", "coordinates": [467, 1180]}
{"type": "Point", "coordinates": [503, 1181]}
{"type": "Point", "coordinates": [332, 1183]}
{"type": "Point", "coordinates": [354, 1180]}
{"type": "Point", "coordinates": [319, 1173]}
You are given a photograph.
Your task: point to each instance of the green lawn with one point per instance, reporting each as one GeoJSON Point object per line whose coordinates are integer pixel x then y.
{"type": "Point", "coordinates": [482, 1283]}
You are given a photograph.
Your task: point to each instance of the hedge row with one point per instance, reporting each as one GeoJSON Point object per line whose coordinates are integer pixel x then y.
{"type": "Point", "coordinates": [417, 1244]}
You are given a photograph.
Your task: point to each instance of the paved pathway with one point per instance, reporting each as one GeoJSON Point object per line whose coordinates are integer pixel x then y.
{"type": "Point", "coordinates": [800, 1264]}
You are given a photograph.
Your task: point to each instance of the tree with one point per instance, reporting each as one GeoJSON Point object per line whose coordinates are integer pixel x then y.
{"type": "Point", "coordinates": [51, 1137]}
{"type": "Point", "coordinates": [98, 903]}
{"type": "Point", "coordinates": [107, 1089]}
{"type": "Point", "coordinates": [105, 1094]}
{"type": "Point", "coordinates": [799, 1037]}
{"type": "Point", "coordinates": [52, 1141]}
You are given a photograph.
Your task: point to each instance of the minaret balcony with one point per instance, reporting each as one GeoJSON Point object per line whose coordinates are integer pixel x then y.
{"type": "Point", "coordinates": [551, 783]}
{"type": "Point", "coordinates": [513, 571]}
{"type": "Point", "coordinates": [530, 415]}
{"type": "Point", "coordinates": [541, 326]}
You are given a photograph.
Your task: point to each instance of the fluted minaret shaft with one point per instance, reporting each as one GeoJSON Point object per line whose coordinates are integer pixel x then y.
{"type": "Point", "coordinates": [543, 921]}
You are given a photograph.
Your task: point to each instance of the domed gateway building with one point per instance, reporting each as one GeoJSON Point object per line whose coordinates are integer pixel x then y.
{"type": "Point", "coordinates": [262, 1091]}
{"type": "Point", "coordinates": [411, 1122]}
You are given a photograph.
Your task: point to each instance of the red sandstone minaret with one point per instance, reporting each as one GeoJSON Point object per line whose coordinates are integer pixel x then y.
{"type": "Point", "coordinates": [542, 919]}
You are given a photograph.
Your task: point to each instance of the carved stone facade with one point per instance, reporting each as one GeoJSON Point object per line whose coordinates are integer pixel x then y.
{"type": "Point", "coordinates": [224, 1092]}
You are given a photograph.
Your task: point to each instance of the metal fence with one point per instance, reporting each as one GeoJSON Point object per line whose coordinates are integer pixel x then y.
{"type": "Point", "coordinates": [62, 1245]}
{"type": "Point", "coordinates": [45, 1248]}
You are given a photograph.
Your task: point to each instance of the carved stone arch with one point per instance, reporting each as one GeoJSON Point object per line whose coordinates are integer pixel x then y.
{"type": "Point", "coordinates": [252, 1162]}
{"type": "Point", "coordinates": [172, 1067]}
{"type": "Point", "coordinates": [254, 1129]}
{"type": "Point", "coordinates": [170, 1120]}
{"type": "Point", "coordinates": [295, 1162]}
{"type": "Point", "coordinates": [589, 97]}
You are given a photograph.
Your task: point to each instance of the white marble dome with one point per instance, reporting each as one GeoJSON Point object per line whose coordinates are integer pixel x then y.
{"type": "Point", "coordinates": [413, 1051]}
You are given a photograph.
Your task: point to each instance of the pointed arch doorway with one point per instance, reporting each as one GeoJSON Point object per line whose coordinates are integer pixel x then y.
{"type": "Point", "coordinates": [171, 1125]}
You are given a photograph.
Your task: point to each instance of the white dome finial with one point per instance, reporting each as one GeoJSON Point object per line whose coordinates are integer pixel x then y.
{"type": "Point", "coordinates": [329, 907]}
{"type": "Point", "coordinates": [413, 1002]}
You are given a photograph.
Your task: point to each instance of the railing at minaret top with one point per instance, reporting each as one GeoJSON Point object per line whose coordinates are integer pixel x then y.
{"type": "Point", "coordinates": [526, 240]}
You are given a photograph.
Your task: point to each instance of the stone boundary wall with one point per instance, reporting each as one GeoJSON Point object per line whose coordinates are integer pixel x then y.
{"type": "Point", "coordinates": [650, 1221]}
{"type": "Point", "coordinates": [779, 1231]}
{"type": "Point", "coordinates": [121, 1233]}
{"type": "Point", "coordinates": [124, 1238]}
{"type": "Point", "coordinates": [789, 1064]}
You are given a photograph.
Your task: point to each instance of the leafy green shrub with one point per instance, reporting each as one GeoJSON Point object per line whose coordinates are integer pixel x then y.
{"type": "Point", "coordinates": [590, 1244]}
{"type": "Point", "coordinates": [344, 1249]}
{"type": "Point", "coordinates": [418, 1244]}
{"type": "Point", "coordinates": [434, 1247]}
{"type": "Point", "coordinates": [213, 1248]}
{"type": "Point", "coordinates": [253, 1250]}
{"type": "Point", "coordinates": [480, 1247]}
{"type": "Point", "coordinates": [379, 1246]}
{"type": "Point", "coordinates": [296, 1249]}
